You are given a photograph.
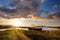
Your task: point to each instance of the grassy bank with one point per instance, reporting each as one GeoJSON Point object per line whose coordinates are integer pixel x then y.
{"type": "Point", "coordinates": [33, 35]}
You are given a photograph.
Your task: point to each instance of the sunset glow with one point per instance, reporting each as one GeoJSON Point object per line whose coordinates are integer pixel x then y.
{"type": "Point", "coordinates": [29, 19]}
{"type": "Point", "coordinates": [16, 22]}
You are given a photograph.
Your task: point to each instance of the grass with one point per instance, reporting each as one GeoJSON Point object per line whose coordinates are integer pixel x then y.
{"type": "Point", "coordinates": [43, 35]}
{"type": "Point", "coordinates": [5, 35]}
{"type": "Point", "coordinates": [33, 35]}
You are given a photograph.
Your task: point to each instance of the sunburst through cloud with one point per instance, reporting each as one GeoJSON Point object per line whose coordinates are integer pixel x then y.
{"type": "Point", "coordinates": [29, 19]}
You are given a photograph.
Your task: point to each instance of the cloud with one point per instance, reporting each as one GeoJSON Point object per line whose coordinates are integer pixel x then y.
{"type": "Point", "coordinates": [25, 5]}
{"type": "Point", "coordinates": [26, 9]}
{"type": "Point", "coordinates": [20, 8]}
{"type": "Point", "coordinates": [42, 1]}
{"type": "Point", "coordinates": [55, 15]}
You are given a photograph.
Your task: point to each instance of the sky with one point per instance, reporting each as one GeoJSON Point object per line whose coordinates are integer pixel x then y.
{"type": "Point", "coordinates": [35, 12]}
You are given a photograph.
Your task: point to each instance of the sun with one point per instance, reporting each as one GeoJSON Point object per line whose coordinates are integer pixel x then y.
{"type": "Point", "coordinates": [16, 22]}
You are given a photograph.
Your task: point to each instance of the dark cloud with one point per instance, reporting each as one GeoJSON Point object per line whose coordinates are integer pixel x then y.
{"type": "Point", "coordinates": [18, 8]}
{"type": "Point", "coordinates": [55, 15]}
{"type": "Point", "coordinates": [42, 1]}
{"type": "Point", "coordinates": [24, 8]}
